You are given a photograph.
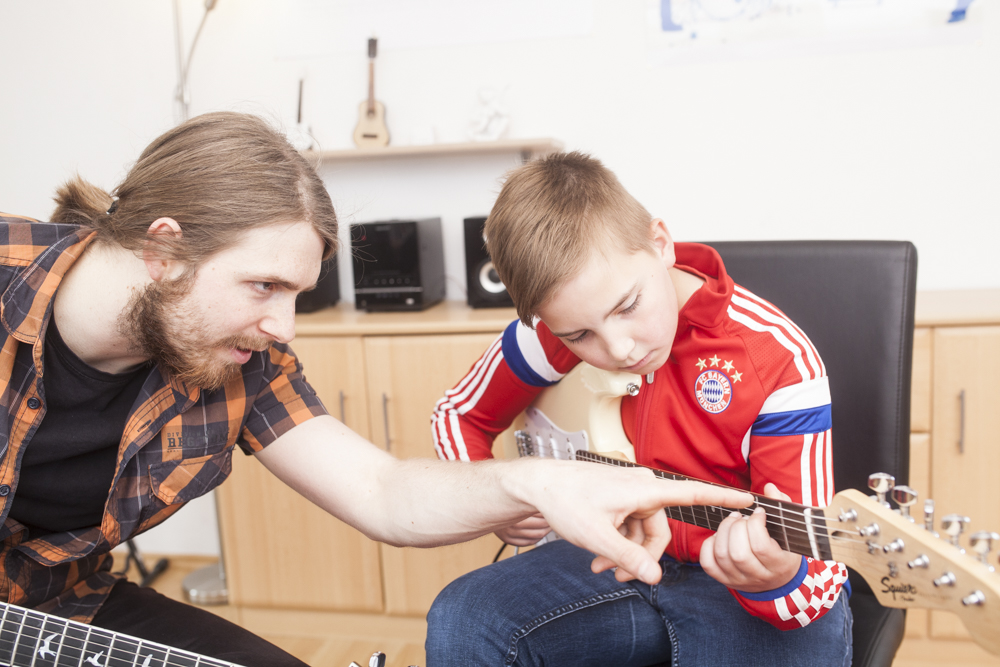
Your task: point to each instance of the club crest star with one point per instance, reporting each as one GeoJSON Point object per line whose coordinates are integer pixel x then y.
{"type": "Point", "coordinates": [701, 364]}
{"type": "Point", "coordinates": [727, 366]}
{"type": "Point", "coordinates": [737, 376]}
{"type": "Point", "coordinates": [715, 361]}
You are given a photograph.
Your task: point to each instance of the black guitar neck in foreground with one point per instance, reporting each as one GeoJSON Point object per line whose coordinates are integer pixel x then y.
{"type": "Point", "coordinates": [32, 639]}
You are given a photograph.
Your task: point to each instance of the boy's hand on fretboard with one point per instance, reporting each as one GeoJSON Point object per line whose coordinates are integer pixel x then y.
{"type": "Point", "coordinates": [743, 556]}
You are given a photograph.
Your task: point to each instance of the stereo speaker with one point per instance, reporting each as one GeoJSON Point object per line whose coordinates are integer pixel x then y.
{"type": "Point", "coordinates": [326, 293]}
{"type": "Point", "coordinates": [484, 287]}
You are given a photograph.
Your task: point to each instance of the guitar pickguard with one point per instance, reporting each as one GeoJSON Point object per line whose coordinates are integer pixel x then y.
{"type": "Point", "coordinates": [541, 437]}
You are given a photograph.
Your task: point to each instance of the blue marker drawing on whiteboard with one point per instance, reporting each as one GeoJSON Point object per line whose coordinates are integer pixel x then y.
{"type": "Point", "coordinates": [957, 14]}
{"type": "Point", "coordinates": [667, 17]}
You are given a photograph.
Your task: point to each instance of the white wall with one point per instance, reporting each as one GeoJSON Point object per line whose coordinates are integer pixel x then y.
{"type": "Point", "coordinates": [894, 143]}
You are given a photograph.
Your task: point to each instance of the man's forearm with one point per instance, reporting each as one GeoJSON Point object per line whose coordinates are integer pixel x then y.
{"type": "Point", "coordinates": [425, 502]}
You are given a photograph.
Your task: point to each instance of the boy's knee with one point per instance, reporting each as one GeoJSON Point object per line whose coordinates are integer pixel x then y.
{"type": "Point", "coordinates": [458, 623]}
{"type": "Point", "coordinates": [455, 606]}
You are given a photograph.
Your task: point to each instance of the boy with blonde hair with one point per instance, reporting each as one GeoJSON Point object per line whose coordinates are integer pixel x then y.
{"type": "Point", "coordinates": [732, 392]}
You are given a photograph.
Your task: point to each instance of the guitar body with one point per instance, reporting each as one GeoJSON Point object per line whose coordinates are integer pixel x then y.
{"type": "Point", "coordinates": [371, 131]}
{"type": "Point", "coordinates": [905, 564]}
{"type": "Point", "coordinates": [588, 401]}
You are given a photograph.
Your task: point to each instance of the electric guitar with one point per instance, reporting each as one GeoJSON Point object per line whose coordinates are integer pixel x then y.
{"type": "Point", "coordinates": [906, 565]}
{"type": "Point", "coordinates": [31, 638]}
{"type": "Point", "coordinates": [371, 131]}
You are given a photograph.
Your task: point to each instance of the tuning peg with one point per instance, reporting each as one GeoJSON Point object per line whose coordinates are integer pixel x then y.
{"type": "Point", "coordinates": [981, 542]}
{"type": "Point", "coordinates": [929, 516]}
{"type": "Point", "coordinates": [904, 497]}
{"type": "Point", "coordinates": [377, 659]}
{"type": "Point", "coordinates": [881, 483]}
{"type": "Point", "coordinates": [953, 525]}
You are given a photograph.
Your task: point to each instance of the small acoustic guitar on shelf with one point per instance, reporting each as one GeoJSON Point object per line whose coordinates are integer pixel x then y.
{"type": "Point", "coordinates": [906, 564]}
{"type": "Point", "coordinates": [371, 131]}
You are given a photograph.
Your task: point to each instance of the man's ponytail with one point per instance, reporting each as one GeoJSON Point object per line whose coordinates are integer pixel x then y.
{"type": "Point", "coordinates": [81, 203]}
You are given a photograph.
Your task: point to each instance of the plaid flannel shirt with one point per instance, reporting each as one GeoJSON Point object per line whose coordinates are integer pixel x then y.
{"type": "Point", "coordinates": [177, 444]}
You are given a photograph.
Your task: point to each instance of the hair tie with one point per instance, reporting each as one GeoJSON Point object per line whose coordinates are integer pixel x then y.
{"type": "Point", "coordinates": [114, 206]}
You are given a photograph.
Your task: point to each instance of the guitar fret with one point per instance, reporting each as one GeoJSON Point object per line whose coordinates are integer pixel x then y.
{"type": "Point", "coordinates": [83, 647]}
{"type": "Point", "coordinates": [24, 639]}
{"type": "Point", "coordinates": [784, 530]}
{"type": "Point", "coordinates": [790, 524]}
{"type": "Point", "coordinates": [48, 648]}
{"type": "Point", "coordinates": [5, 658]}
{"type": "Point", "coordinates": [98, 646]}
{"type": "Point", "coordinates": [30, 638]}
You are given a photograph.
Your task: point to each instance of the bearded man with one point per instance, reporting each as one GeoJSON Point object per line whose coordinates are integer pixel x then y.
{"type": "Point", "coordinates": [145, 337]}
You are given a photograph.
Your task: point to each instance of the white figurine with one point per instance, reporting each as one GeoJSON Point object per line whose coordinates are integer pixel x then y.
{"type": "Point", "coordinates": [300, 137]}
{"type": "Point", "coordinates": [490, 120]}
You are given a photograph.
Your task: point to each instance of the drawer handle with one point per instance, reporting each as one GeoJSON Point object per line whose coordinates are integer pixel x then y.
{"type": "Point", "coordinates": [385, 421]}
{"type": "Point", "coordinates": [961, 422]}
{"type": "Point", "coordinates": [342, 420]}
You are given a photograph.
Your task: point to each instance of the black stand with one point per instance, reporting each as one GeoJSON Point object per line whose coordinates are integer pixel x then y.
{"type": "Point", "coordinates": [147, 575]}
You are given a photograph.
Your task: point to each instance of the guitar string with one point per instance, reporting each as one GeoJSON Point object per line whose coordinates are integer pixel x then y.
{"type": "Point", "coordinates": [761, 501]}
{"type": "Point", "coordinates": [786, 524]}
{"type": "Point", "coordinates": [791, 531]}
{"type": "Point", "coordinates": [117, 642]}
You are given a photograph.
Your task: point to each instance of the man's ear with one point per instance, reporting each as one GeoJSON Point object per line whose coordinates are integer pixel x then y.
{"type": "Point", "coordinates": [158, 266]}
{"type": "Point", "coordinates": [663, 243]}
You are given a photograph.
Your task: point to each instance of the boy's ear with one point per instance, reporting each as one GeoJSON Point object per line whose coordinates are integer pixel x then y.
{"type": "Point", "coordinates": [663, 243]}
{"type": "Point", "coordinates": [158, 266]}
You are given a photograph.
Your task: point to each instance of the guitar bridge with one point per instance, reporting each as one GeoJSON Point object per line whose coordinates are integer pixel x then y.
{"type": "Point", "coordinates": [540, 437]}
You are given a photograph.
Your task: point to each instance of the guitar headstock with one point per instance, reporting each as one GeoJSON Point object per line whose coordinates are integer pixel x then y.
{"type": "Point", "coordinates": [909, 565]}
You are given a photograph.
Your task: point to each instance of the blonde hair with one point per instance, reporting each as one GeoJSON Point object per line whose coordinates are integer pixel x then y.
{"type": "Point", "coordinates": [551, 216]}
{"type": "Point", "coordinates": [217, 175]}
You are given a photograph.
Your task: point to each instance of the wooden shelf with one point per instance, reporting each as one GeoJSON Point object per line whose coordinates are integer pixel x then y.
{"type": "Point", "coordinates": [447, 317]}
{"type": "Point", "coordinates": [966, 307]}
{"type": "Point", "coordinates": [528, 148]}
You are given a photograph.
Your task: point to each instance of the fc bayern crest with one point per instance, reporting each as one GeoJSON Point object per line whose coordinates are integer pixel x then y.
{"type": "Point", "coordinates": [713, 391]}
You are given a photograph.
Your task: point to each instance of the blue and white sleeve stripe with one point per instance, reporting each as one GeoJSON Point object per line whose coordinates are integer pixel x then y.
{"type": "Point", "coordinates": [526, 357]}
{"type": "Point", "coordinates": [799, 409]}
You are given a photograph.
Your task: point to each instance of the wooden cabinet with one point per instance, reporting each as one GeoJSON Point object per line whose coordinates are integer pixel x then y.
{"type": "Point", "coordinates": [406, 376]}
{"type": "Point", "coordinates": [381, 374]}
{"type": "Point", "coordinates": [282, 551]}
{"type": "Point", "coordinates": [954, 445]}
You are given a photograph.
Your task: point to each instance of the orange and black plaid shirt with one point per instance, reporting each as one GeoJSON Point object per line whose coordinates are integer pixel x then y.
{"type": "Point", "coordinates": [177, 445]}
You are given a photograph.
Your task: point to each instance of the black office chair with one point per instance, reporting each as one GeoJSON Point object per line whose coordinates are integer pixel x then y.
{"type": "Point", "coordinates": [855, 301]}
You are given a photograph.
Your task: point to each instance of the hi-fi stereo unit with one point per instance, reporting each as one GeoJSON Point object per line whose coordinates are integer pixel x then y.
{"type": "Point", "coordinates": [398, 264]}
{"type": "Point", "coordinates": [485, 290]}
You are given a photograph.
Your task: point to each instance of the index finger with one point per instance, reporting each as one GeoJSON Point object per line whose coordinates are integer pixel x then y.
{"type": "Point", "coordinates": [685, 492]}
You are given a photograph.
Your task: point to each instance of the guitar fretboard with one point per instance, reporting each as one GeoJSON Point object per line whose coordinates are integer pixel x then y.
{"type": "Point", "coordinates": [33, 639]}
{"type": "Point", "coordinates": [797, 528]}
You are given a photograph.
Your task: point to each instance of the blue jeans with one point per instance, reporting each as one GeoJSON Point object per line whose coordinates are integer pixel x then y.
{"type": "Point", "coordinates": [545, 607]}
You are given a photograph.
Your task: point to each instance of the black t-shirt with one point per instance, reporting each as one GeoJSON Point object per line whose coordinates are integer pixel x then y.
{"type": "Point", "coordinates": [69, 464]}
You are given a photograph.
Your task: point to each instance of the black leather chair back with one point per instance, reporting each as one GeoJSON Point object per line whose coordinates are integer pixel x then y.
{"type": "Point", "coordinates": [855, 301]}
